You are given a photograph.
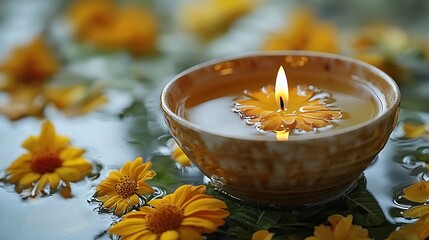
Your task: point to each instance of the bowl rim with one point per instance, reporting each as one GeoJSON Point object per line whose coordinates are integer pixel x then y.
{"type": "Point", "coordinates": [386, 111]}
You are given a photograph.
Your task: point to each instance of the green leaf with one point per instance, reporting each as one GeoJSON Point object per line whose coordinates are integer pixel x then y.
{"type": "Point", "coordinates": [381, 232]}
{"type": "Point", "coordinates": [167, 175]}
{"type": "Point", "coordinates": [268, 219]}
{"type": "Point", "coordinates": [364, 208]}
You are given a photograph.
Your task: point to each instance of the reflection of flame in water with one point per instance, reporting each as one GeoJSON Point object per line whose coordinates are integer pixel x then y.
{"type": "Point", "coordinates": [282, 135]}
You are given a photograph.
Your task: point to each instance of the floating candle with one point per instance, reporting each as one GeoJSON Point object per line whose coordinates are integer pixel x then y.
{"type": "Point", "coordinates": [308, 108]}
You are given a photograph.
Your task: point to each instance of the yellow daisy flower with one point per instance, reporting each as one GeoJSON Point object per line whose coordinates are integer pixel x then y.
{"type": "Point", "coordinates": [179, 156]}
{"type": "Point", "coordinates": [262, 235]}
{"type": "Point", "coordinates": [340, 228]}
{"type": "Point", "coordinates": [305, 32]}
{"type": "Point", "coordinates": [378, 44]}
{"type": "Point", "coordinates": [27, 73]}
{"type": "Point", "coordinates": [185, 214]}
{"type": "Point", "coordinates": [75, 100]}
{"type": "Point", "coordinates": [110, 26]}
{"type": "Point", "coordinates": [208, 19]}
{"type": "Point", "coordinates": [124, 188]}
{"type": "Point", "coordinates": [29, 65]}
{"type": "Point", "coordinates": [415, 231]}
{"type": "Point", "coordinates": [417, 192]}
{"type": "Point", "coordinates": [49, 161]}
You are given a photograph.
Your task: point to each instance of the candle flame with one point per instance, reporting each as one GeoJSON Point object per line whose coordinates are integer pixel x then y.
{"type": "Point", "coordinates": [282, 135]}
{"type": "Point", "coordinates": [281, 90]}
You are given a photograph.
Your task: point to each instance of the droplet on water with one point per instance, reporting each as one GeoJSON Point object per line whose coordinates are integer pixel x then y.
{"type": "Point", "coordinates": [409, 161]}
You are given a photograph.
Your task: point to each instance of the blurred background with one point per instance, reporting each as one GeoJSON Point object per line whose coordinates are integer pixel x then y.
{"type": "Point", "coordinates": [120, 43]}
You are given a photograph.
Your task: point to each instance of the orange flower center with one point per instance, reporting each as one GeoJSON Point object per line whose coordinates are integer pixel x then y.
{"type": "Point", "coordinates": [46, 162]}
{"type": "Point", "coordinates": [164, 218]}
{"type": "Point", "coordinates": [126, 186]}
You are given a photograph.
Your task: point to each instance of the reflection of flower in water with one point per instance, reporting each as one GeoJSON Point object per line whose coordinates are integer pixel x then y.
{"type": "Point", "coordinates": [49, 161]}
{"type": "Point", "coordinates": [179, 156]}
{"type": "Point", "coordinates": [308, 108]}
{"type": "Point", "coordinates": [262, 235]}
{"type": "Point", "coordinates": [414, 231]}
{"type": "Point", "coordinates": [123, 189]}
{"type": "Point", "coordinates": [185, 214]}
{"type": "Point", "coordinates": [417, 192]}
{"type": "Point", "coordinates": [305, 32]}
{"type": "Point", "coordinates": [208, 19]}
{"type": "Point", "coordinates": [340, 228]}
{"type": "Point", "coordinates": [109, 26]}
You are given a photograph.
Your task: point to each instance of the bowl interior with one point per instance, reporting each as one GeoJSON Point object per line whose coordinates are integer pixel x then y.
{"type": "Point", "coordinates": [228, 76]}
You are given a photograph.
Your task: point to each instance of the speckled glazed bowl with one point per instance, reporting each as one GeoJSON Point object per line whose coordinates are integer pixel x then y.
{"type": "Point", "coordinates": [307, 170]}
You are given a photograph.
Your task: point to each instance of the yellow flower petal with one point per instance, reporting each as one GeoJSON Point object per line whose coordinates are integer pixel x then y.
{"type": "Point", "coordinates": [23, 101]}
{"type": "Point", "coordinates": [29, 179]}
{"type": "Point", "coordinates": [304, 32]}
{"type": "Point", "coordinates": [47, 135]}
{"type": "Point", "coordinates": [23, 161]}
{"type": "Point", "coordinates": [414, 231]}
{"type": "Point", "coordinates": [80, 164]}
{"type": "Point", "coordinates": [75, 100]}
{"type": "Point", "coordinates": [71, 153]}
{"type": "Point", "coordinates": [66, 192]}
{"type": "Point", "coordinates": [179, 156]}
{"type": "Point", "coordinates": [189, 232]}
{"type": "Point", "coordinates": [340, 228]}
{"type": "Point", "coordinates": [54, 181]}
{"type": "Point", "coordinates": [262, 235]}
{"type": "Point", "coordinates": [412, 130]}
{"type": "Point", "coordinates": [169, 235]}
{"type": "Point", "coordinates": [417, 192]}
{"type": "Point", "coordinates": [205, 225]}
{"type": "Point", "coordinates": [69, 174]}
{"type": "Point", "coordinates": [417, 211]}
{"type": "Point", "coordinates": [206, 204]}
{"type": "Point", "coordinates": [29, 65]}
{"type": "Point", "coordinates": [128, 227]}
{"type": "Point", "coordinates": [108, 26]}
{"type": "Point", "coordinates": [210, 18]}
{"type": "Point", "coordinates": [343, 228]}
{"type": "Point", "coordinates": [46, 162]}
{"type": "Point", "coordinates": [31, 144]}
{"type": "Point", "coordinates": [122, 185]}
{"type": "Point", "coordinates": [42, 182]}
{"type": "Point", "coordinates": [169, 210]}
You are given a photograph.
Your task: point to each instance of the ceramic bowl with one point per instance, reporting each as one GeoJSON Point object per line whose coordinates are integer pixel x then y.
{"type": "Point", "coordinates": [312, 169]}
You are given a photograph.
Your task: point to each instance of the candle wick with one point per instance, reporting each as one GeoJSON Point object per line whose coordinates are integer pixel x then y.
{"type": "Point", "coordinates": [282, 104]}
